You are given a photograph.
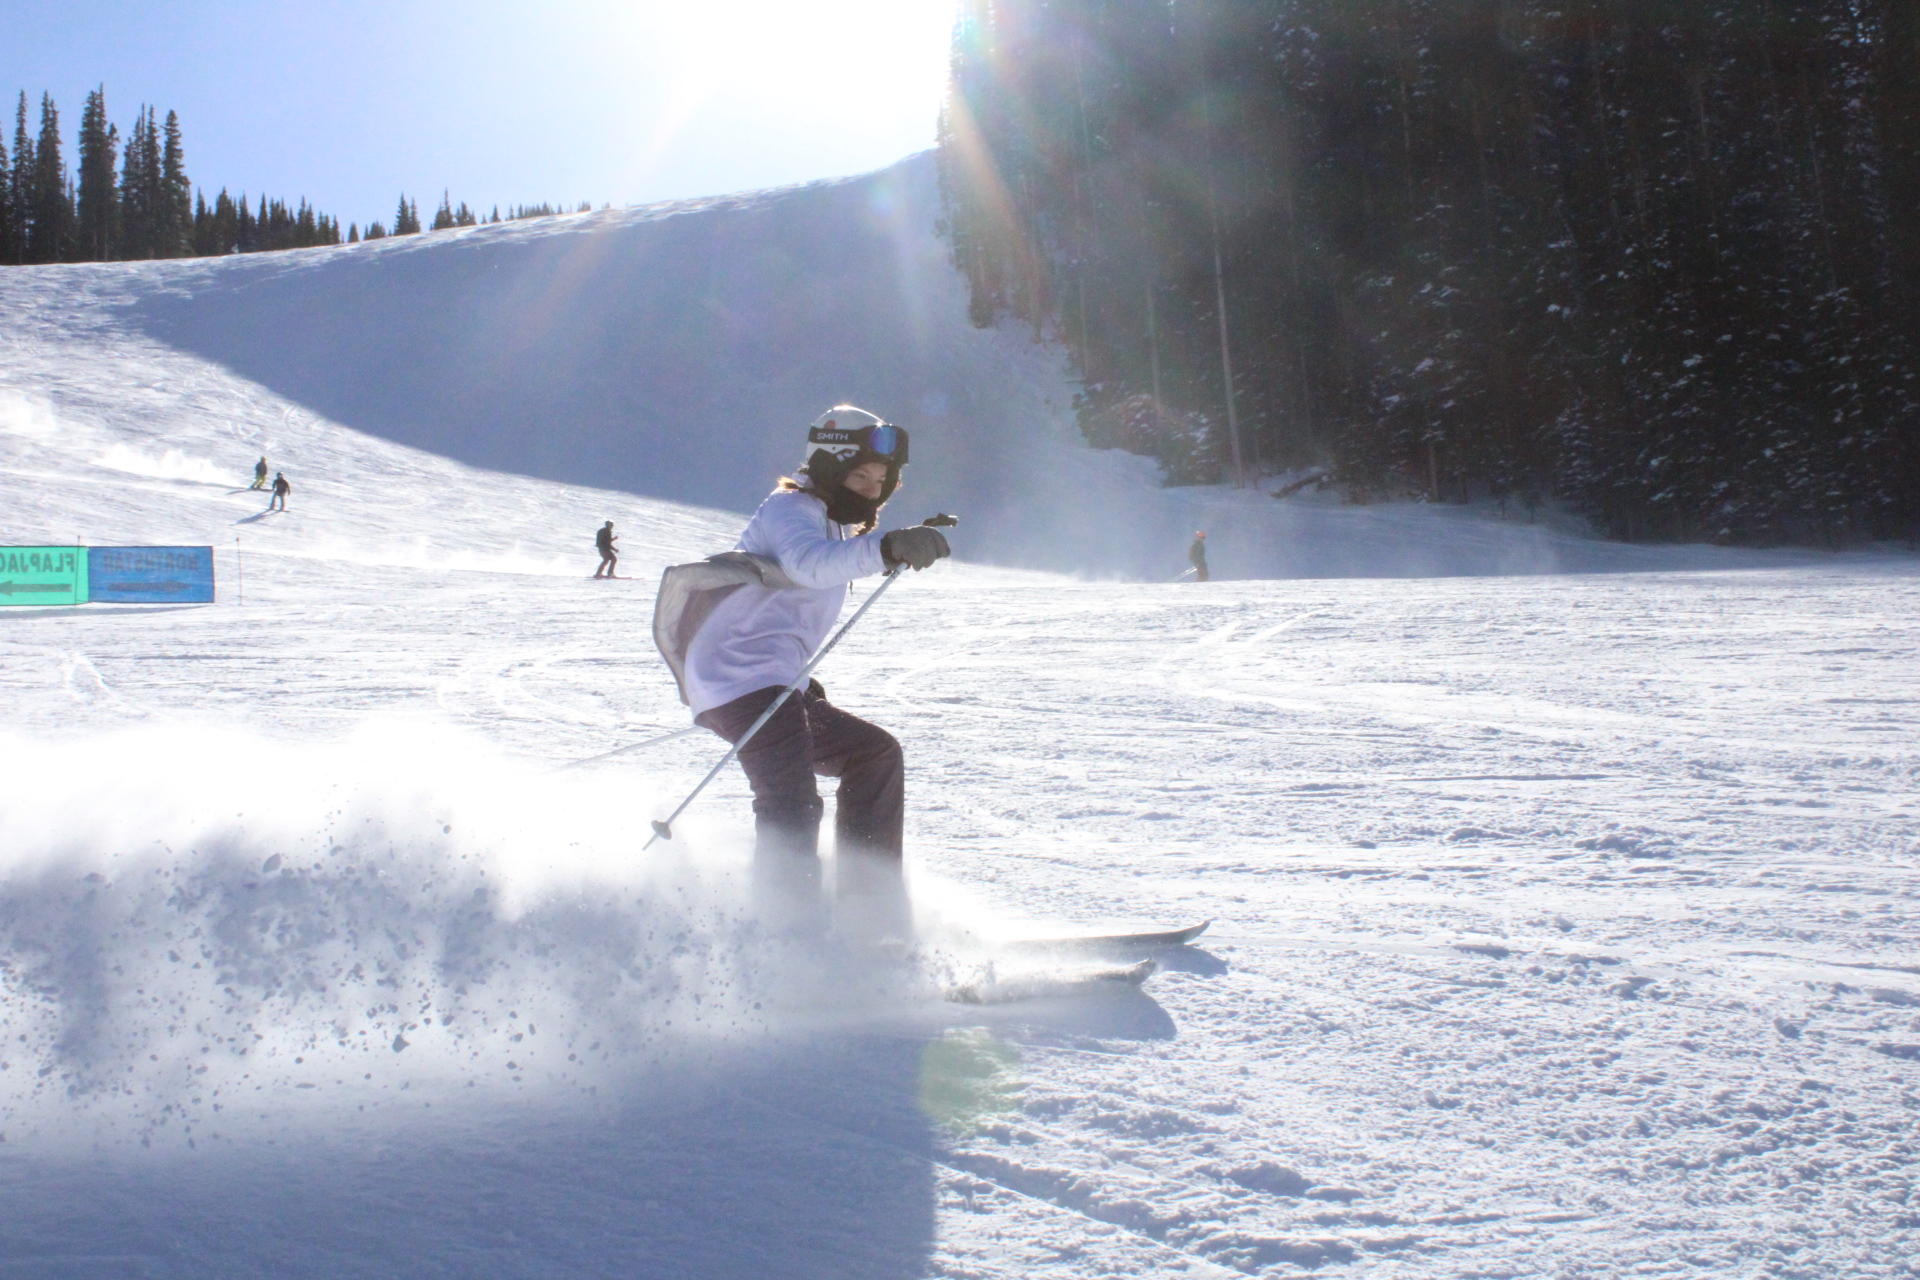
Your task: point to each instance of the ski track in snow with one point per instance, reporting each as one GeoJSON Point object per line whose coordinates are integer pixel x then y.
{"type": "Point", "coordinates": [1564, 923]}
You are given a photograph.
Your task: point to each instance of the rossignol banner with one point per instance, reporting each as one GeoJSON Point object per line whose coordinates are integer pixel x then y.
{"type": "Point", "coordinates": [150, 575]}
{"type": "Point", "coordinates": [116, 575]}
{"type": "Point", "coordinates": [43, 575]}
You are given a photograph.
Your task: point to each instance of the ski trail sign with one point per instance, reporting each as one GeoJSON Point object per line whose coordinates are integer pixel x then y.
{"type": "Point", "coordinates": [43, 575]}
{"type": "Point", "coordinates": [150, 575]}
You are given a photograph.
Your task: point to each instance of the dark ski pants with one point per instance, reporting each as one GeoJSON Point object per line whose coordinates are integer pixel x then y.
{"type": "Point", "coordinates": [608, 563]}
{"type": "Point", "coordinates": [809, 735]}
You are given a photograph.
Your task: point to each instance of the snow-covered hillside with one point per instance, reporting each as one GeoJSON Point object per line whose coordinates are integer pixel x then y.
{"type": "Point", "coordinates": [673, 352]}
{"type": "Point", "coordinates": [1564, 921]}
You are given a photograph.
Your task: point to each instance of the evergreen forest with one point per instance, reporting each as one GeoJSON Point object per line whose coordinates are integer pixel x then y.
{"type": "Point", "coordinates": [134, 201]}
{"type": "Point", "coordinates": [1656, 258]}
{"type": "Point", "coordinates": [128, 202]}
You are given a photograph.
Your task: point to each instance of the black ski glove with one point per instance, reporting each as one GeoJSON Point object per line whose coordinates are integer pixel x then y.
{"type": "Point", "coordinates": [918, 546]}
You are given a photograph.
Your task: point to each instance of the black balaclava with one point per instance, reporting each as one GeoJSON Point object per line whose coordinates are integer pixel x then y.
{"type": "Point", "coordinates": [844, 506]}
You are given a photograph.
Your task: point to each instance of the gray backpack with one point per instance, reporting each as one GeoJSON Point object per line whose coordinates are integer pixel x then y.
{"type": "Point", "coordinates": [690, 592]}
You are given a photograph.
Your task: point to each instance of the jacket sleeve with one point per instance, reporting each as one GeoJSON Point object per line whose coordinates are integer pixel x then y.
{"type": "Point", "coordinates": [797, 529]}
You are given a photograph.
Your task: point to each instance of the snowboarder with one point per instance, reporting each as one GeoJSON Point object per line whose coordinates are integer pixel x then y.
{"type": "Point", "coordinates": [1198, 554]}
{"type": "Point", "coordinates": [820, 531]}
{"type": "Point", "coordinates": [280, 491]}
{"type": "Point", "coordinates": [604, 539]}
{"type": "Point", "coordinates": [259, 475]}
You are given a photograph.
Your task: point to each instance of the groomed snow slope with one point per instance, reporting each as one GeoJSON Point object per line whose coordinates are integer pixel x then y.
{"type": "Point", "coordinates": [1564, 922]}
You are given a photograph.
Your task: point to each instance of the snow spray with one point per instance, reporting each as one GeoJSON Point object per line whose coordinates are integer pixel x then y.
{"type": "Point", "coordinates": [200, 929]}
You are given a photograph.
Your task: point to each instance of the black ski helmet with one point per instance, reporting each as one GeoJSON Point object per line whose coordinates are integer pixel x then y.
{"type": "Point", "coordinates": [844, 437]}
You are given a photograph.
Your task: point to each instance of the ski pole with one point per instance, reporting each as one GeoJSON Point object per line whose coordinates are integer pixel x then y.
{"type": "Point", "coordinates": [632, 746]}
{"type": "Point", "coordinates": [664, 830]}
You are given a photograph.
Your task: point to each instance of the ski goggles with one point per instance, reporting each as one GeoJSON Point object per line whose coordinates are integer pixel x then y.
{"type": "Point", "coordinates": [883, 440]}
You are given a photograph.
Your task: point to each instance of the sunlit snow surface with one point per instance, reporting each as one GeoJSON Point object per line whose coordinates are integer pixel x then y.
{"type": "Point", "coordinates": [1564, 921]}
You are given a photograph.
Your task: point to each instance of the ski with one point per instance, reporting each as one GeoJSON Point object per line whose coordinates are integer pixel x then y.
{"type": "Point", "coordinates": [1131, 944]}
{"type": "Point", "coordinates": [1051, 984]}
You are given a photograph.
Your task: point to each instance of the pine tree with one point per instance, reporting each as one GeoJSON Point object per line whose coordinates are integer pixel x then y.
{"type": "Point", "coordinates": [98, 206]}
{"type": "Point", "coordinates": [20, 186]}
{"type": "Point", "coordinates": [199, 231]}
{"type": "Point", "coordinates": [375, 231]}
{"type": "Point", "coordinates": [353, 233]}
{"type": "Point", "coordinates": [443, 216]}
{"type": "Point", "coordinates": [216, 228]}
{"type": "Point", "coordinates": [406, 219]}
{"type": "Point", "coordinates": [276, 226]}
{"type": "Point", "coordinates": [174, 194]}
{"type": "Point", "coordinates": [50, 236]}
{"type": "Point", "coordinates": [139, 191]}
{"type": "Point", "coordinates": [6, 203]}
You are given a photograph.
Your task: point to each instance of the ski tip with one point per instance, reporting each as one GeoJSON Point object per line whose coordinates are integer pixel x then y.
{"type": "Point", "coordinates": [1171, 938]}
{"type": "Point", "coordinates": [1133, 974]}
{"type": "Point", "coordinates": [1159, 940]}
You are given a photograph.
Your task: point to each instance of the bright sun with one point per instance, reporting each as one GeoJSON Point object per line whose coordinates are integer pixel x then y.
{"type": "Point", "coordinates": [894, 46]}
{"type": "Point", "coordinates": [861, 74]}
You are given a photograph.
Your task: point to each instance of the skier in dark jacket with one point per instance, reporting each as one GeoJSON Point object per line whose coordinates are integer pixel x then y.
{"type": "Point", "coordinates": [609, 560]}
{"type": "Point", "coordinates": [1198, 554]}
{"type": "Point", "coordinates": [757, 640]}
{"type": "Point", "coordinates": [259, 475]}
{"type": "Point", "coordinates": [280, 491]}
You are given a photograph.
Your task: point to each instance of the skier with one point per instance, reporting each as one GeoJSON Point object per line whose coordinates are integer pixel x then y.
{"type": "Point", "coordinates": [609, 559]}
{"type": "Point", "coordinates": [280, 491]}
{"type": "Point", "coordinates": [259, 475]}
{"type": "Point", "coordinates": [819, 528]}
{"type": "Point", "coordinates": [1198, 554]}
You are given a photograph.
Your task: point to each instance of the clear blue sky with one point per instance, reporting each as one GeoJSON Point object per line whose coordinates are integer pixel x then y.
{"type": "Point", "coordinates": [349, 102]}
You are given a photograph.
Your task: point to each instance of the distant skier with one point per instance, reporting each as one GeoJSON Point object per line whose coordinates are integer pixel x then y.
{"type": "Point", "coordinates": [280, 491]}
{"type": "Point", "coordinates": [809, 539]}
{"type": "Point", "coordinates": [609, 560]}
{"type": "Point", "coordinates": [1198, 554]}
{"type": "Point", "coordinates": [259, 475]}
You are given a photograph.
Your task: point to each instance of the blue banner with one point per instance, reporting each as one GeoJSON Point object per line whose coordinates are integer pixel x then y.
{"type": "Point", "coordinates": [150, 575]}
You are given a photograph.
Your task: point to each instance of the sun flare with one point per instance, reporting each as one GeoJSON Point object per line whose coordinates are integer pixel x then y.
{"type": "Point", "coordinates": [857, 75]}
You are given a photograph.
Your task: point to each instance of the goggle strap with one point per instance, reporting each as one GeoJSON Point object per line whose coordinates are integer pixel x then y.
{"type": "Point", "coordinates": [886, 440]}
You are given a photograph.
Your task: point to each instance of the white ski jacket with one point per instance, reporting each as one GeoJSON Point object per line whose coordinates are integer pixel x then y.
{"type": "Point", "coordinates": [762, 636]}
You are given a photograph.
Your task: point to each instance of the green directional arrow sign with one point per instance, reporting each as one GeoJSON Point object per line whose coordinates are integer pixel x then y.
{"type": "Point", "coordinates": [43, 575]}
